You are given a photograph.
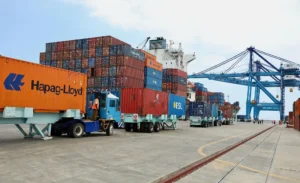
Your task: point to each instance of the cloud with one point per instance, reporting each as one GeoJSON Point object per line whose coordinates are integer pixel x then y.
{"type": "Point", "coordinates": [233, 24]}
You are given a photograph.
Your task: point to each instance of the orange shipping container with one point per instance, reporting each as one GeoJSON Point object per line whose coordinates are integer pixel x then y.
{"type": "Point", "coordinates": [153, 65]}
{"type": "Point", "coordinates": [148, 56]}
{"type": "Point", "coordinates": [44, 88]}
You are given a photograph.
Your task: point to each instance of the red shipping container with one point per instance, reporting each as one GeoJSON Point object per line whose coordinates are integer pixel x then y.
{"type": "Point", "coordinates": [72, 54]}
{"type": "Point", "coordinates": [227, 113]}
{"type": "Point", "coordinates": [99, 41]}
{"type": "Point", "coordinates": [66, 45]}
{"type": "Point", "coordinates": [78, 54]}
{"type": "Point", "coordinates": [92, 43]}
{"type": "Point", "coordinates": [113, 61]}
{"type": "Point", "coordinates": [105, 51]}
{"type": "Point", "coordinates": [201, 93]}
{"type": "Point", "coordinates": [53, 56]}
{"type": "Point", "coordinates": [91, 82]}
{"type": "Point", "coordinates": [66, 54]}
{"type": "Point", "coordinates": [59, 55]}
{"type": "Point", "coordinates": [98, 62]}
{"type": "Point", "coordinates": [98, 72]}
{"type": "Point", "coordinates": [85, 63]}
{"type": "Point", "coordinates": [143, 101]}
{"type": "Point", "coordinates": [297, 123]}
{"type": "Point", "coordinates": [72, 45]}
{"type": "Point", "coordinates": [131, 62]}
{"type": "Point", "coordinates": [92, 52]}
{"type": "Point", "coordinates": [291, 118]}
{"type": "Point", "coordinates": [97, 82]}
{"type": "Point", "coordinates": [72, 64]}
{"type": "Point", "coordinates": [43, 56]}
{"type": "Point", "coordinates": [59, 64]}
{"type": "Point", "coordinates": [60, 46]}
{"type": "Point", "coordinates": [104, 71]}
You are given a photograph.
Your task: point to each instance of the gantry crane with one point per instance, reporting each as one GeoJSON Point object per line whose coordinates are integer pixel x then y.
{"type": "Point", "coordinates": [285, 76]}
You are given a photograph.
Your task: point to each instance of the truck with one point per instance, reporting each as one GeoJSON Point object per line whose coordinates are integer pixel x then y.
{"type": "Point", "coordinates": [204, 115]}
{"type": "Point", "coordinates": [39, 95]}
{"type": "Point", "coordinates": [228, 115]}
{"type": "Point", "coordinates": [147, 110]}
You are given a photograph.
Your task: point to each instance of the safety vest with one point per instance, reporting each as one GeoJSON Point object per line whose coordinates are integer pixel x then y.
{"type": "Point", "coordinates": [94, 106]}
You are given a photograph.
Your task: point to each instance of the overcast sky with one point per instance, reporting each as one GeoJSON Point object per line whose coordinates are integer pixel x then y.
{"type": "Point", "coordinates": [215, 30]}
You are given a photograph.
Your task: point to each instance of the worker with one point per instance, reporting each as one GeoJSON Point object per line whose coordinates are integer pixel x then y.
{"type": "Point", "coordinates": [95, 108]}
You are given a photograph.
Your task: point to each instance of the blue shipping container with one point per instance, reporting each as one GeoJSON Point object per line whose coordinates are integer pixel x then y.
{"type": "Point", "coordinates": [149, 81]}
{"type": "Point", "coordinates": [53, 47]}
{"type": "Point", "coordinates": [137, 54]}
{"type": "Point", "coordinates": [91, 62]}
{"type": "Point", "coordinates": [177, 105]}
{"type": "Point", "coordinates": [149, 72]}
{"type": "Point", "coordinates": [178, 79]}
{"type": "Point", "coordinates": [48, 56]}
{"type": "Point", "coordinates": [214, 110]}
{"type": "Point", "coordinates": [200, 109]}
{"type": "Point", "coordinates": [53, 63]}
{"type": "Point", "coordinates": [65, 64]}
{"type": "Point", "coordinates": [112, 71]}
{"type": "Point", "coordinates": [124, 50]}
{"type": "Point", "coordinates": [113, 50]}
{"type": "Point", "coordinates": [105, 61]}
{"type": "Point", "coordinates": [79, 44]}
{"type": "Point", "coordinates": [85, 44]}
{"type": "Point", "coordinates": [78, 63]}
{"type": "Point", "coordinates": [48, 47]}
{"type": "Point", "coordinates": [85, 53]}
{"type": "Point", "coordinates": [99, 51]}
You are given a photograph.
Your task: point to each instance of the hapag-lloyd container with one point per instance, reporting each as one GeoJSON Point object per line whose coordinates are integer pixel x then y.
{"type": "Point", "coordinates": [177, 105]}
{"type": "Point", "coordinates": [44, 88]}
{"type": "Point", "coordinates": [143, 101]}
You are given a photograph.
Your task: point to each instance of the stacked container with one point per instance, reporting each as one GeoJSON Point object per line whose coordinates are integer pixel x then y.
{"type": "Point", "coordinates": [200, 109]}
{"type": "Point", "coordinates": [201, 92]}
{"type": "Point", "coordinates": [108, 62]}
{"type": "Point", "coordinates": [153, 72]}
{"type": "Point", "coordinates": [216, 98]}
{"type": "Point", "coordinates": [175, 81]}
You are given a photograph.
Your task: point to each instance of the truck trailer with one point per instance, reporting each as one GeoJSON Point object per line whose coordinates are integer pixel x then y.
{"type": "Point", "coordinates": [147, 110]}
{"type": "Point", "coordinates": [204, 115]}
{"type": "Point", "coordinates": [36, 95]}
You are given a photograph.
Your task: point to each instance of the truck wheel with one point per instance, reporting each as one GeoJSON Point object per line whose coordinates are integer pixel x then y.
{"type": "Point", "coordinates": [55, 132]}
{"type": "Point", "coordinates": [156, 127]}
{"type": "Point", "coordinates": [135, 127]}
{"type": "Point", "coordinates": [150, 127]}
{"type": "Point", "coordinates": [76, 130]}
{"type": "Point", "coordinates": [142, 126]}
{"type": "Point", "coordinates": [110, 129]}
{"type": "Point", "coordinates": [127, 127]}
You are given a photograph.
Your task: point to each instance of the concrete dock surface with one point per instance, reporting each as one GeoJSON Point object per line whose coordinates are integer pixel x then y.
{"type": "Point", "coordinates": [143, 157]}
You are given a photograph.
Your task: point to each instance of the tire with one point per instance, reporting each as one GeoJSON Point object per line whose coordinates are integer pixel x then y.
{"type": "Point", "coordinates": [150, 127]}
{"type": "Point", "coordinates": [110, 129]}
{"type": "Point", "coordinates": [142, 127]}
{"type": "Point", "coordinates": [116, 125]}
{"type": "Point", "coordinates": [156, 127]}
{"type": "Point", "coordinates": [127, 127]}
{"type": "Point", "coordinates": [135, 127]}
{"type": "Point", "coordinates": [76, 130]}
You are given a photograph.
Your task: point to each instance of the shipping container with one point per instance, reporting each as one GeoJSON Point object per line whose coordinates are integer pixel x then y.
{"type": "Point", "coordinates": [112, 60]}
{"type": "Point", "coordinates": [85, 53]}
{"type": "Point", "coordinates": [150, 72]}
{"type": "Point", "coordinates": [291, 118]}
{"type": "Point", "coordinates": [42, 56]}
{"type": "Point", "coordinates": [113, 50]}
{"type": "Point", "coordinates": [153, 83]}
{"type": "Point", "coordinates": [72, 54]}
{"type": "Point", "coordinates": [60, 46]}
{"type": "Point", "coordinates": [129, 82]}
{"type": "Point", "coordinates": [154, 65]}
{"type": "Point", "coordinates": [79, 44]}
{"type": "Point", "coordinates": [41, 87]}
{"type": "Point", "coordinates": [144, 101]}
{"type": "Point", "coordinates": [79, 54]}
{"type": "Point", "coordinates": [49, 47]}
{"type": "Point", "coordinates": [123, 50]}
{"type": "Point", "coordinates": [92, 52]}
{"type": "Point", "coordinates": [214, 110]}
{"type": "Point", "coordinates": [85, 44]}
{"type": "Point", "coordinates": [92, 43]}
{"type": "Point", "coordinates": [200, 109]}
{"type": "Point", "coordinates": [72, 45]}
{"type": "Point", "coordinates": [91, 62]}
{"type": "Point", "coordinates": [99, 52]}
{"type": "Point", "coordinates": [66, 45]}
{"type": "Point", "coordinates": [99, 42]}
{"type": "Point", "coordinates": [176, 105]}
{"type": "Point", "coordinates": [130, 62]}
{"type": "Point", "coordinates": [98, 62]}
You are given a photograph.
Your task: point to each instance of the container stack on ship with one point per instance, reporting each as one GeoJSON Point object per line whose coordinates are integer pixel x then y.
{"type": "Point", "coordinates": [110, 64]}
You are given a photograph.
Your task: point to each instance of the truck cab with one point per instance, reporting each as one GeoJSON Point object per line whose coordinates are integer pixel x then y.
{"type": "Point", "coordinates": [109, 106]}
